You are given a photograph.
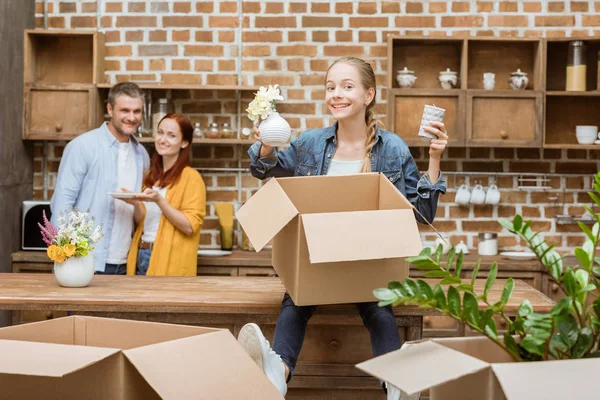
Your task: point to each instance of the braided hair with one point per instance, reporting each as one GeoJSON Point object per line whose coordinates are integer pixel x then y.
{"type": "Point", "coordinates": [367, 77]}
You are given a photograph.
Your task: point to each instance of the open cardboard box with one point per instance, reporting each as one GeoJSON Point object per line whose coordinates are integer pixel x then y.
{"type": "Point", "coordinates": [475, 368]}
{"type": "Point", "coordinates": [335, 238]}
{"type": "Point", "coordinates": [101, 358]}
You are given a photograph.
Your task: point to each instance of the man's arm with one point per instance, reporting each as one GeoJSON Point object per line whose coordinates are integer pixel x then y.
{"type": "Point", "coordinates": [71, 172]}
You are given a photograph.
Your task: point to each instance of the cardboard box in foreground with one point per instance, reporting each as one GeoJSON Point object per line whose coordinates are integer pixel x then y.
{"type": "Point", "coordinates": [335, 238]}
{"type": "Point", "coordinates": [101, 358]}
{"type": "Point", "coordinates": [475, 368]}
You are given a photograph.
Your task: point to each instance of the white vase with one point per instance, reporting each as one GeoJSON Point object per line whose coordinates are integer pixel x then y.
{"type": "Point", "coordinates": [75, 271]}
{"type": "Point", "coordinates": [275, 131]}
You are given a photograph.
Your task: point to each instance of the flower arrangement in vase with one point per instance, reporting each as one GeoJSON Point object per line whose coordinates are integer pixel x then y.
{"type": "Point", "coordinates": [70, 246]}
{"type": "Point", "coordinates": [274, 130]}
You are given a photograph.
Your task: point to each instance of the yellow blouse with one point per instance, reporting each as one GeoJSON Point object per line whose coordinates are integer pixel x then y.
{"type": "Point", "coordinates": [174, 253]}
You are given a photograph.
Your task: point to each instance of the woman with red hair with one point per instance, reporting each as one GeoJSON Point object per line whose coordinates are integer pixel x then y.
{"type": "Point", "coordinates": [170, 212]}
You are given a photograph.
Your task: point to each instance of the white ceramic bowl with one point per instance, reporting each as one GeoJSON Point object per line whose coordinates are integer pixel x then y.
{"type": "Point", "coordinates": [586, 134]}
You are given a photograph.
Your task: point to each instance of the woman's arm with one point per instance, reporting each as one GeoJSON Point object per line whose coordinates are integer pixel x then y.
{"type": "Point", "coordinates": [176, 217]}
{"type": "Point", "coordinates": [277, 164]}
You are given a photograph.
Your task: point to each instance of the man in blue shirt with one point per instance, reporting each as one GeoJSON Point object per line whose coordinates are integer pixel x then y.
{"type": "Point", "coordinates": [103, 160]}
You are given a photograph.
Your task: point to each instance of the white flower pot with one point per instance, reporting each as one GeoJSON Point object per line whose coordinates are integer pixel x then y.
{"type": "Point", "coordinates": [275, 131]}
{"type": "Point", "coordinates": [75, 271]}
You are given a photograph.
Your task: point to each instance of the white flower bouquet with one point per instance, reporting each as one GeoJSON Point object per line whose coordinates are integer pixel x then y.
{"type": "Point", "coordinates": [274, 130]}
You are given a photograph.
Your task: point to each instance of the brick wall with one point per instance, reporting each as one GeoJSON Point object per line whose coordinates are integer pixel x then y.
{"type": "Point", "coordinates": [292, 43]}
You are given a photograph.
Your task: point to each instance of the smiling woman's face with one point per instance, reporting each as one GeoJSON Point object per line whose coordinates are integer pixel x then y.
{"type": "Point", "coordinates": [169, 139]}
{"type": "Point", "coordinates": [345, 94]}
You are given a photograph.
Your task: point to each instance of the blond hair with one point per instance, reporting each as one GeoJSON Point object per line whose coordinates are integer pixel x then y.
{"type": "Point", "coordinates": [367, 78]}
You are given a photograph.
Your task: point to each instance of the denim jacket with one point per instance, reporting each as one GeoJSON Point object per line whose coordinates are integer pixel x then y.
{"type": "Point", "coordinates": [310, 154]}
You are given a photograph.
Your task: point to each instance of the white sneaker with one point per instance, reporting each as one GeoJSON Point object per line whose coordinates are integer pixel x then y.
{"type": "Point", "coordinates": [258, 348]}
{"type": "Point", "coordinates": [393, 393]}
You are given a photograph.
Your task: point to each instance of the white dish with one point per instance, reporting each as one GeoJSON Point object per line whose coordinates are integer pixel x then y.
{"type": "Point", "coordinates": [519, 255]}
{"type": "Point", "coordinates": [123, 195]}
{"type": "Point", "coordinates": [597, 141]}
{"type": "Point", "coordinates": [214, 253]}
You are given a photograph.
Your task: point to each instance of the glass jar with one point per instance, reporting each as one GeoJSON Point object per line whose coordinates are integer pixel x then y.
{"type": "Point", "coordinates": [161, 111]}
{"type": "Point", "coordinates": [487, 244]}
{"type": "Point", "coordinates": [226, 131]}
{"type": "Point", "coordinates": [197, 130]}
{"type": "Point", "coordinates": [576, 67]}
{"type": "Point", "coordinates": [213, 131]}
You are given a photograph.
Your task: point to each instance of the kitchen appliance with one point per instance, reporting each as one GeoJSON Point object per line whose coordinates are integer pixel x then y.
{"type": "Point", "coordinates": [31, 237]}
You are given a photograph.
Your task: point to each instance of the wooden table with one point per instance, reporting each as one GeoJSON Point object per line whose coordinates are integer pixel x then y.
{"type": "Point", "coordinates": [335, 339]}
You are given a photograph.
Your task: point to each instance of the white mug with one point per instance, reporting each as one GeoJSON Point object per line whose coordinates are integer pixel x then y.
{"type": "Point", "coordinates": [477, 195]}
{"type": "Point", "coordinates": [492, 196]}
{"type": "Point", "coordinates": [462, 195]}
{"type": "Point", "coordinates": [489, 80]}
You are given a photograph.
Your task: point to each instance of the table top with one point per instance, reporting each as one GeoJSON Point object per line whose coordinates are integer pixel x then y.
{"type": "Point", "coordinates": [200, 294]}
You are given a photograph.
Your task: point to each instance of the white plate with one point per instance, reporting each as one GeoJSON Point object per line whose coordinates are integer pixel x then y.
{"type": "Point", "coordinates": [214, 253]}
{"type": "Point", "coordinates": [518, 255]}
{"type": "Point", "coordinates": [123, 195]}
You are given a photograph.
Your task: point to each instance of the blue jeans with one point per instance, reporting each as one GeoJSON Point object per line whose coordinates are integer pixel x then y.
{"type": "Point", "coordinates": [143, 261]}
{"type": "Point", "coordinates": [291, 328]}
{"type": "Point", "coordinates": [114, 269]}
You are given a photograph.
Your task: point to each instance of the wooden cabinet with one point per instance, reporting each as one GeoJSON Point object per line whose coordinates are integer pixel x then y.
{"type": "Point", "coordinates": [58, 112]}
{"type": "Point", "coordinates": [501, 117]}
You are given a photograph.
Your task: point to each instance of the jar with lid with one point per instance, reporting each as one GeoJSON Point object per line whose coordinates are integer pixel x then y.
{"type": "Point", "coordinates": [576, 67]}
{"type": "Point", "coordinates": [213, 131]}
{"type": "Point", "coordinates": [161, 111]}
{"type": "Point", "coordinates": [226, 131]}
{"type": "Point", "coordinates": [197, 130]}
{"type": "Point", "coordinates": [487, 244]}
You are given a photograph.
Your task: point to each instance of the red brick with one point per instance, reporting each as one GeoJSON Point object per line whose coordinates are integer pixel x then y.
{"type": "Point", "coordinates": [204, 36]}
{"type": "Point", "coordinates": [365, 7]}
{"type": "Point", "coordinates": [556, 33]}
{"type": "Point", "coordinates": [134, 36]}
{"type": "Point", "coordinates": [251, 7]}
{"type": "Point", "coordinates": [275, 22]}
{"type": "Point", "coordinates": [203, 65]}
{"type": "Point", "coordinates": [590, 20]}
{"type": "Point", "coordinates": [575, 168]}
{"type": "Point", "coordinates": [438, 7]}
{"type": "Point", "coordinates": [112, 65]}
{"type": "Point", "coordinates": [532, 7]}
{"type": "Point", "coordinates": [56, 22]}
{"type": "Point", "coordinates": [485, 6]}
{"type": "Point", "coordinates": [297, 108]}
{"type": "Point", "coordinates": [272, 65]}
{"type": "Point", "coordinates": [461, 6]}
{"type": "Point", "coordinates": [262, 36]}
{"type": "Point", "coordinates": [158, 36]}
{"type": "Point", "coordinates": [481, 226]}
{"type": "Point", "coordinates": [507, 20]}
{"type": "Point", "coordinates": [180, 65]}
{"type": "Point", "coordinates": [136, 7]}
{"type": "Point", "coordinates": [579, 6]}
{"type": "Point", "coordinates": [319, 65]}
{"type": "Point", "coordinates": [340, 51]}
{"type": "Point", "coordinates": [463, 21]}
{"type": "Point", "coordinates": [415, 22]}
{"type": "Point", "coordinates": [132, 22]}
{"type": "Point", "coordinates": [157, 64]}
{"type": "Point", "coordinates": [283, 80]}
{"type": "Point", "coordinates": [203, 50]}
{"type": "Point", "coordinates": [159, 7]}
{"type": "Point", "coordinates": [343, 36]}
{"type": "Point", "coordinates": [118, 51]}
{"type": "Point", "coordinates": [369, 22]}
{"type": "Point", "coordinates": [389, 7]}
{"type": "Point", "coordinates": [530, 212]}
{"type": "Point", "coordinates": [441, 226]}
{"type": "Point", "coordinates": [508, 6]}
{"type": "Point", "coordinates": [319, 8]}
{"type": "Point", "coordinates": [227, 36]}
{"type": "Point", "coordinates": [182, 7]}
{"type": "Point", "coordinates": [559, 21]}
{"type": "Point", "coordinates": [322, 22]}
{"type": "Point", "coordinates": [204, 7]}
{"type": "Point", "coordinates": [320, 36]}
{"type": "Point", "coordinates": [83, 22]}
{"type": "Point", "coordinates": [181, 36]}
{"type": "Point", "coordinates": [506, 211]}
{"type": "Point", "coordinates": [182, 21]}
{"type": "Point", "coordinates": [114, 7]}
{"type": "Point", "coordinates": [297, 50]}
{"type": "Point", "coordinates": [367, 36]}
{"type": "Point", "coordinates": [134, 65]}
{"type": "Point", "coordinates": [228, 7]}
{"type": "Point", "coordinates": [556, 6]}
{"type": "Point", "coordinates": [344, 8]}
{"type": "Point", "coordinates": [157, 50]}
{"type": "Point", "coordinates": [296, 8]}
{"type": "Point", "coordinates": [257, 51]}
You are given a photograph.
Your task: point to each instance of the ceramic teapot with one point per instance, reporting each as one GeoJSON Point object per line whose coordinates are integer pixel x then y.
{"type": "Point", "coordinates": [406, 78]}
{"type": "Point", "coordinates": [518, 80]}
{"type": "Point", "coordinates": [448, 79]}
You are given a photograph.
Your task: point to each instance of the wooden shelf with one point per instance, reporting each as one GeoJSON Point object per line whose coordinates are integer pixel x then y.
{"type": "Point", "coordinates": [509, 94]}
{"type": "Point", "coordinates": [563, 114]}
{"type": "Point", "coordinates": [573, 146]}
{"type": "Point", "coordinates": [205, 141]}
{"type": "Point", "coordinates": [162, 86]}
{"type": "Point", "coordinates": [424, 92]}
{"type": "Point", "coordinates": [594, 93]}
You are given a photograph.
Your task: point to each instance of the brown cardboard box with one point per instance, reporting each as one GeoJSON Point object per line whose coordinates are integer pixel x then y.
{"type": "Point", "coordinates": [101, 358]}
{"type": "Point", "coordinates": [335, 238]}
{"type": "Point", "coordinates": [475, 368]}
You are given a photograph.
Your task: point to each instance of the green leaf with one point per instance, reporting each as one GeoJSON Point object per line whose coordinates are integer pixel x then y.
{"type": "Point", "coordinates": [470, 308]}
{"type": "Point", "coordinates": [533, 345]}
{"type": "Point", "coordinates": [453, 301]}
{"type": "Point", "coordinates": [412, 287]}
{"type": "Point", "coordinates": [384, 294]}
{"type": "Point", "coordinates": [584, 343]}
{"type": "Point", "coordinates": [459, 263]}
{"type": "Point", "coordinates": [438, 253]}
{"type": "Point", "coordinates": [596, 306]}
{"type": "Point", "coordinates": [484, 317]}
{"type": "Point", "coordinates": [440, 297]}
{"type": "Point", "coordinates": [450, 280]}
{"type": "Point", "coordinates": [507, 291]}
{"type": "Point", "coordinates": [582, 257]}
{"type": "Point", "coordinates": [425, 265]}
{"type": "Point", "coordinates": [507, 224]}
{"type": "Point", "coordinates": [568, 330]}
{"type": "Point", "coordinates": [436, 274]}
{"type": "Point", "coordinates": [595, 198]}
{"type": "Point", "coordinates": [586, 289]}
{"type": "Point", "coordinates": [511, 344]}
{"type": "Point", "coordinates": [517, 223]}
{"type": "Point", "coordinates": [582, 277]}
{"type": "Point", "coordinates": [423, 255]}
{"type": "Point", "coordinates": [570, 282]}
{"type": "Point", "coordinates": [586, 230]}
{"type": "Point", "coordinates": [475, 272]}
{"type": "Point", "coordinates": [490, 280]}
{"type": "Point", "coordinates": [525, 309]}
{"type": "Point", "coordinates": [425, 289]}
{"type": "Point", "coordinates": [562, 308]}
{"type": "Point", "coordinates": [465, 288]}
{"type": "Point", "coordinates": [596, 270]}
{"type": "Point", "coordinates": [490, 329]}
{"type": "Point", "coordinates": [451, 255]}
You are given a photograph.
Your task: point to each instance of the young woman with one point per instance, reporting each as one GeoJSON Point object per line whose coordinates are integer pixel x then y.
{"type": "Point", "coordinates": [170, 212]}
{"type": "Point", "coordinates": [355, 143]}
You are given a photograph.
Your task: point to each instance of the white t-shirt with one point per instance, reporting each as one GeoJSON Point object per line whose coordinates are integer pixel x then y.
{"type": "Point", "coordinates": [120, 238]}
{"type": "Point", "coordinates": [153, 214]}
{"type": "Point", "coordinates": [340, 167]}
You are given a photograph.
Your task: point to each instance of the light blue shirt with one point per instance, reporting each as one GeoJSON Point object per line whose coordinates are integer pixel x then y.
{"type": "Point", "coordinates": [87, 173]}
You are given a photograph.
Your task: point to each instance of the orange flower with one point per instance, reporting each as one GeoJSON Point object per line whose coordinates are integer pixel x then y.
{"type": "Point", "coordinates": [59, 255]}
{"type": "Point", "coordinates": [69, 249]}
{"type": "Point", "coordinates": [52, 252]}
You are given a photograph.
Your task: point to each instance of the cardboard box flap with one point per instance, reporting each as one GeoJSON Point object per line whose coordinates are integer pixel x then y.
{"type": "Point", "coordinates": [44, 359]}
{"type": "Point", "coordinates": [265, 214]}
{"type": "Point", "coordinates": [208, 366]}
{"type": "Point", "coordinates": [361, 235]}
{"type": "Point", "coordinates": [430, 364]}
{"type": "Point", "coordinates": [548, 379]}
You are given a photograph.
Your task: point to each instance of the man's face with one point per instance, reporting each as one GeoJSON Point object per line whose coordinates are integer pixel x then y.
{"type": "Point", "coordinates": [126, 115]}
